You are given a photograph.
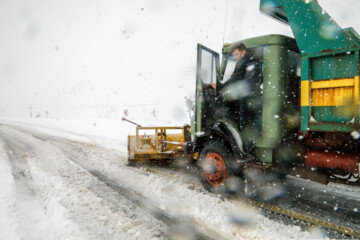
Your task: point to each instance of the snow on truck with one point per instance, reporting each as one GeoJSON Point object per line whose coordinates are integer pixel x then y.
{"type": "Point", "coordinates": [306, 119]}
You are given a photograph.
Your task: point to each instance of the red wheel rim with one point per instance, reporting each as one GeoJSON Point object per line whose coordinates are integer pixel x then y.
{"type": "Point", "coordinates": [214, 169]}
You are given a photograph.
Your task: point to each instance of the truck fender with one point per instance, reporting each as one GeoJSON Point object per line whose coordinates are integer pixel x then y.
{"type": "Point", "coordinates": [228, 131]}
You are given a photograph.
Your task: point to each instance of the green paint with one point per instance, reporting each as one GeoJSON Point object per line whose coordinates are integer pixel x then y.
{"type": "Point", "coordinates": [313, 28]}
{"type": "Point", "coordinates": [333, 127]}
{"type": "Point", "coordinates": [273, 88]}
{"type": "Point", "coordinates": [198, 93]}
{"type": "Point", "coordinates": [353, 35]}
{"type": "Point", "coordinates": [334, 66]}
{"type": "Point", "coordinates": [265, 154]}
{"type": "Point", "coordinates": [305, 117]}
{"type": "Point", "coordinates": [276, 85]}
{"type": "Point", "coordinates": [338, 114]}
{"type": "Point", "coordinates": [328, 51]}
{"type": "Point", "coordinates": [288, 43]}
{"type": "Point", "coordinates": [200, 108]}
{"type": "Point", "coordinates": [305, 110]}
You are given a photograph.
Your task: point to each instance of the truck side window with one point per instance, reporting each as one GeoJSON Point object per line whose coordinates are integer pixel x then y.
{"type": "Point", "coordinates": [208, 68]}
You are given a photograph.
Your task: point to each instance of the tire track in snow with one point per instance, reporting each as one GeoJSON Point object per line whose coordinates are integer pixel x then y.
{"type": "Point", "coordinates": [145, 204]}
{"type": "Point", "coordinates": [80, 151]}
{"type": "Point", "coordinates": [134, 197]}
{"type": "Point", "coordinates": [31, 215]}
{"type": "Point", "coordinates": [131, 219]}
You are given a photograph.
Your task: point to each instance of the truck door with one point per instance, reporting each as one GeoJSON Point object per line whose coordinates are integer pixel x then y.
{"type": "Point", "coordinates": [207, 74]}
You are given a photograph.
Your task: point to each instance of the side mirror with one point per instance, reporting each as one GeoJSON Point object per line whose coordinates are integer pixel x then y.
{"type": "Point", "coordinates": [189, 104]}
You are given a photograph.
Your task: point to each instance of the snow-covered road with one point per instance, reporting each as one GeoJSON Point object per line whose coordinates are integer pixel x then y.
{"type": "Point", "coordinates": [49, 192]}
{"type": "Point", "coordinates": [55, 198]}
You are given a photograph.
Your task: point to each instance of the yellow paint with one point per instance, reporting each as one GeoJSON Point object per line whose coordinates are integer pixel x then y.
{"type": "Point", "coordinates": [305, 94]}
{"type": "Point", "coordinates": [356, 90]}
{"type": "Point", "coordinates": [345, 82]}
{"type": "Point", "coordinates": [332, 96]}
{"type": "Point", "coordinates": [331, 92]}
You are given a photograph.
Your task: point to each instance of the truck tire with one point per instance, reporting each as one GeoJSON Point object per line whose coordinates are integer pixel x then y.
{"type": "Point", "coordinates": [215, 163]}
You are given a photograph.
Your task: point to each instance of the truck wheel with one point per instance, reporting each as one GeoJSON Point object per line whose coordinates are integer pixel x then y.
{"type": "Point", "coordinates": [215, 159]}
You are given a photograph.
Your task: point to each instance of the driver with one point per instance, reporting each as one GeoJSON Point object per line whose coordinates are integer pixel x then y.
{"type": "Point", "coordinates": [247, 76]}
{"type": "Point", "coordinates": [243, 91]}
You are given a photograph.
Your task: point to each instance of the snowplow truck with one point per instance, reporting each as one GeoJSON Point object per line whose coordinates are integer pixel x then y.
{"type": "Point", "coordinates": [303, 120]}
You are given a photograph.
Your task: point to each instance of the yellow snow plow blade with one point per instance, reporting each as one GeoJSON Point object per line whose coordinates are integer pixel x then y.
{"type": "Point", "coordinates": [158, 144]}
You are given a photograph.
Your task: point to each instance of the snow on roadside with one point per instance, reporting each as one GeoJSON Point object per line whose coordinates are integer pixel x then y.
{"type": "Point", "coordinates": [37, 216]}
{"type": "Point", "coordinates": [73, 209]}
{"type": "Point", "coordinates": [206, 210]}
{"type": "Point", "coordinates": [108, 133]}
{"type": "Point", "coordinates": [8, 224]}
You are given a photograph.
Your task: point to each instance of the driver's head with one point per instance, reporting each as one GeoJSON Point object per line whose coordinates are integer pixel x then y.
{"type": "Point", "coordinates": [238, 51]}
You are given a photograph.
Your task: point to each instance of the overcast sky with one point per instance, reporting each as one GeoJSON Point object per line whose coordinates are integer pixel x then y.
{"type": "Point", "coordinates": [106, 56]}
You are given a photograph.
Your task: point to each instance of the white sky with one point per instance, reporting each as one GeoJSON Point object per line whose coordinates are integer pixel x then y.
{"type": "Point", "coordinates": [72, 57]}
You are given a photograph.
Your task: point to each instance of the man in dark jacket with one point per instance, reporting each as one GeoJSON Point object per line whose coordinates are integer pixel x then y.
{"type": "Point", "coordinates": [246, 78]}
{"type": "Point", "coordinates": [243, 91]}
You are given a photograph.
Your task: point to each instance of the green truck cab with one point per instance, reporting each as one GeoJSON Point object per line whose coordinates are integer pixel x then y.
{"type": "Point", "coordinates": [306, 114]}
